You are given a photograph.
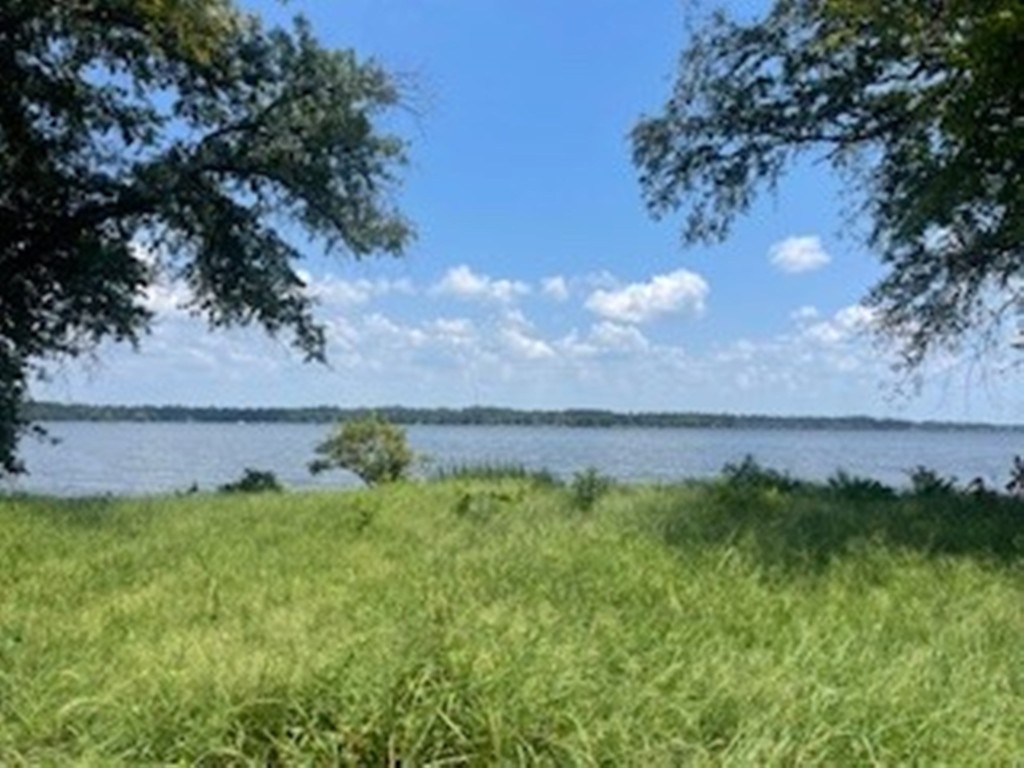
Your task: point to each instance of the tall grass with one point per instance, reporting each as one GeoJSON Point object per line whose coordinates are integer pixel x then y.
{"type": "Point", "coordinates": [496, 471]}
{"type": "Point", "coordinates": [707, 624]}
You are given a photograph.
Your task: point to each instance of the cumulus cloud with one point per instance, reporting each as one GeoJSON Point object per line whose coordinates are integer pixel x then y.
{"type": "Point", "coordinates": [636, 303]}
{"type": "Point", "coordinates": [383, 328]}
{"type": "Point", "coordinates": [605, 339]}
{"type": "Point", "coordinates": [341, 332]}
{"type": "Point", "coordinates": [844, 325]}
{"type": "Point", "coordinates": [520, 343]}
{"type": "Point", "coordinates": [619, 338]}
{"type": "Point", "coordinates": [516, 351]}
{"type": "Point", "coordinates": [799, 254]}
{"type": "Point", "coordinates": [463, 283]}
{"type": "Point", "coordinates": [519, 337]}
{"type": "Point", "coordinates": [457, 331]}
{"type": "Point", "coordinates": [555, 288]}
{"type": "Point", "coordinates": [333, 290]}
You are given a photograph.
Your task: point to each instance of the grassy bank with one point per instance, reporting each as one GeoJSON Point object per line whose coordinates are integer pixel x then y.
{"type": "Point", "coordinates": [492, 621]}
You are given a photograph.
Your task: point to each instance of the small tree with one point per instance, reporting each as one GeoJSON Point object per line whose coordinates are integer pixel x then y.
{"type": "Point", "coordinates": [371, 447]}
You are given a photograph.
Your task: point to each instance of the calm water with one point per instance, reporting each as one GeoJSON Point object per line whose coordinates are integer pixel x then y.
{"type": "Point", "coordinates": [96, 458]}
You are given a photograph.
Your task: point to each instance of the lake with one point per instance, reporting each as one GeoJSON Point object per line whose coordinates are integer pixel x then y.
{"type": "Point", "coordinates": [141, 458]}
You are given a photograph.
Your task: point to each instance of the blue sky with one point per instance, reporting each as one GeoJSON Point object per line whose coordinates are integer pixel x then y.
{"type": "Point", "coordinates": [537, 279]}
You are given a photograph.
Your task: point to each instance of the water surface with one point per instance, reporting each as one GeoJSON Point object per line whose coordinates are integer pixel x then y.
{"type": "Point", "coordinates": [140, 458]}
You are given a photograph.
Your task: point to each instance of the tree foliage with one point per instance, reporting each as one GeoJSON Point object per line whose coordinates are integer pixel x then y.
{"type": "Point", "coordinates": [181, 138]}
{"type": "Point", "coordinates": [371, 447]}
{"type": "Point", "coordinates": [921, 102]}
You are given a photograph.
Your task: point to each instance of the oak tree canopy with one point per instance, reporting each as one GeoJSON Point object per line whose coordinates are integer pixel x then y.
{"type": "Point", "coordinates": [920, 103]}
{"type": "Point", "coordinates": [182, 137]}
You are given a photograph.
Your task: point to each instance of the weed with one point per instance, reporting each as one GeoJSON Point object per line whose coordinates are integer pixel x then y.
{"type": "Point", "coordinates": [481, 505]}
{"type": "Point", "coordinates": [587, 488]}
{"type": "Point", "coordinates": [494, 472]}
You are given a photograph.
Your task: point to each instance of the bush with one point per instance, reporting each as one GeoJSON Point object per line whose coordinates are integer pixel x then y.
{"type": "Point", "coordinates": [1016, 485]}
{"type": "Point", "coordinates": [252, 481]}
{"type": "Point", "coordinates": [750, 475]}
{"type": "Point", "coordinates": [588, 487]}
{"type": "Point", "coordinates": [928, 482]}
{"type": "Point", "coordinates": [852, 488]}
{"type": "Point", "coordinates": [372, 448]}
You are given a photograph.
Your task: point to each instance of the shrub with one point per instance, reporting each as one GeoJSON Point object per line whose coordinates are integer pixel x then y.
{"type": "Point", "coordinates": [750, 475]}
{"type": "Point", "coordinates": [853, 488]}
{"type": "Point", "coordinates": [588, 487]}
{"type": "Point", "coordinates": [1016, 485]}
{"type": "Point", "coordinates": [372, 448]}
{"type": "Point", "coordinates": [252, 481]}
{"type": "Point", "coordinates": [928, 482]}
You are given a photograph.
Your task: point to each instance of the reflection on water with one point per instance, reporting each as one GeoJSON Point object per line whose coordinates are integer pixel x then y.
{"type": "Point", "coordinates": [95, 458]}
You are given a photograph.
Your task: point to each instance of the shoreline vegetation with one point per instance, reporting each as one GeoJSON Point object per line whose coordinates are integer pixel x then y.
{"type": "Point", "coordinates": [486, 416]}
{"type": "Point", "coordinates": [498, 616]}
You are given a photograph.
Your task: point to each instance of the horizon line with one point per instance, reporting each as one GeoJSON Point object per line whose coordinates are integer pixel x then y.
{"type": "Point", "coordinates": [552, 411]}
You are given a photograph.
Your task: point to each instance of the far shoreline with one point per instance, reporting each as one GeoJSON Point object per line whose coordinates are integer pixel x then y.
{"type": "Point", "coordinates": [489, 416]}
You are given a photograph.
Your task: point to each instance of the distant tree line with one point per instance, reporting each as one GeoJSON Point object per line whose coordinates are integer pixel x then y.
{"type": "Point", "coordinates": [475, 416]}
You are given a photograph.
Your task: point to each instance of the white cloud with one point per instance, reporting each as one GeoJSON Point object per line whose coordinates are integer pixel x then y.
{"type": "Point", "coordinates": [573, 346]}
{"type": "Point", "coordinates": [618, 337]}
{"type": "Point", "coordinates": [555, 288]}
{"type": "Point", "coordinates": [342, 332]}
{"type": "Point", "coordinates": [805, 314]}
{"type": "Point", "coordinates": [520, 343]}
{"type": "Point", "coordinates": [519, 337]}
{"type": "Point", "coordinates": [517, 353]}
{"type": "Point", "coordinates": [856, 317]}
{"type": "Point", "coordinates": [382, 325]}
{"type": "Point", "coordinates": [339, 292]}
{"type": "Point", "coordinates": [333, 290]}
{"type": "Point", "coordinates": [825, 334]}
{"type": "Point", "coordinates": [453, 333]}
{"type": "Point", "coordinates": [463, 283]}
{"type": "Point", "coordinates": [846, 324]}
{"type": "Point", "coordinates": [741, 350]}
{"type": "Point", "coordinates": [453, 328]}
{"type": "Point", "coordinates": [515, 316]}
{"type": "Point", "coordinates": [605, 340]}
{"type": "Point", "coordinates": [799, 254]}
{"type": "Point", "coordinates": [170, 297]}
{"type": "Point", "coordinates": [677, 291]}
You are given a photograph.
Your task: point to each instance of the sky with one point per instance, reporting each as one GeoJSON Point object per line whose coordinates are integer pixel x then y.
{"type": "Point", "coordinates": [537, 278]}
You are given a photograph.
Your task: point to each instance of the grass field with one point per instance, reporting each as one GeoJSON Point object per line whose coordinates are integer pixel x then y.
{"type": "Point", "coordinates": [492, 621]}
